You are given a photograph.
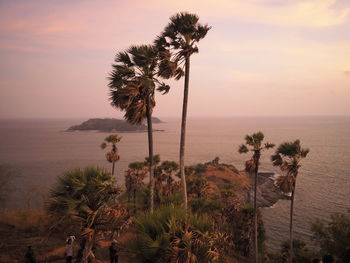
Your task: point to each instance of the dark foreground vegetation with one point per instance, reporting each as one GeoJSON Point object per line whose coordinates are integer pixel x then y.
{"type": "Point", "coordinates": [218, 225]}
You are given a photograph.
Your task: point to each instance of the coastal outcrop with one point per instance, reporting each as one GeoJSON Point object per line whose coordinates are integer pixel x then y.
{"type": "Point", "coordinates": [225, 176]}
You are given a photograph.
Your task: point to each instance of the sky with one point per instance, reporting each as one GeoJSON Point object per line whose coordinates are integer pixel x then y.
{"type": "Point", "coordinates": [261, 57]}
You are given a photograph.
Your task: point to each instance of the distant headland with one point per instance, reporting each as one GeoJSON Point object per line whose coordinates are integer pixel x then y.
{"type": "Point", "coordinates": [111, 125]}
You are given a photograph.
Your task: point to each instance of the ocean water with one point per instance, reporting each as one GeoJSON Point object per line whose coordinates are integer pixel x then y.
{"type": "Point", "coordinates": [41, 150]}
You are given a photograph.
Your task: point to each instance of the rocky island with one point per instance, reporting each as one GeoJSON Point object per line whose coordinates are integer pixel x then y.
{"type": "Point", "coordinates": [111, 125]}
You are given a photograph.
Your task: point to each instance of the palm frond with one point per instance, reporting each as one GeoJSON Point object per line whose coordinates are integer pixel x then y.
{"type": "Point", "coordinates": [269, 145]}
{"type": "Point", "coordinates": [243, 149]}
{"type": "Point", "coordinates": [276, 159]}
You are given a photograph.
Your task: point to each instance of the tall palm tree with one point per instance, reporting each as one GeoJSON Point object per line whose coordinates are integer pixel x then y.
{"type": "Point", "coordinates": [180, 37]}
{"type": "Point", "coordinates": [133, 82]}
{"type": "Point", "coordinates": [288, 157]}
{"type": "Point", "coordinates": [255, 143]}
{"type": "Point", "coordinates": [113, 155]}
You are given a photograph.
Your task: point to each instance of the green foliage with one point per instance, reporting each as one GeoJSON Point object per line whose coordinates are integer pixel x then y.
{"type": "Point", "coordinates": [113, 138]}
{"type": "Point", "coordinates": [292, 149]}
{"type": "Point", "coordinates": [133, 82]}
{"type": "Point", "coordinates": [181, 36]}
{"type": "Point", "coordinates": [255, 142]}
{"type": "Point", "coordinates": [240, 226]}
{"type": "Point", "coordinates": [156, 160]}
{"type": "Point", "coordinates": [243, 149]}
{"type": "Point", "coordinates": [161, 232]}
{"type": "Point", "coordinates": [136, 165]}
{"type": "Point", "coordinates": [198, 186]}
{"type": "Point", "coordinates": [262, 237]}
{"type": "Point", "coordinates": [112, 156]}
{"type": "Point", "coordinates": [301, 253]}
{"type": "Point", "coordinates": [200, 168]}
{"type": "Point", "coordinates": [82, 193]}
{"type": "Point", "coordinates": [169, 166]}
{"type": "Point", "coordinates": [172, 199]}
{"type": "Point", "coordinates": [205, 205]}
{"type": "Point", "coordinates": [288, 157]}
{"type": "Point", "coordinates": [333, 237]}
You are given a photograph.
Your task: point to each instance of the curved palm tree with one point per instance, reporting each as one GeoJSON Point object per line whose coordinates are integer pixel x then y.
{"type": "Point", "coordinates": [288, 157]}
{"type": "Point", "coordinates": [113, 155]}
{"type": "Point", "coordinates": [133, 82]}
{"type": "Point", "coordinates": [84, 194]}
{"type": "Point", "coordinates": [181, 36]}
{"type": "Point", "coordinates": [255, 143]}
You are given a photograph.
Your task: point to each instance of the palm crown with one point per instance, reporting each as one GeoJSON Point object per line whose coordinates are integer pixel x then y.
{"type": "Point", "coordinates": [180, 36]}
{"type": "Point", "coordinates": [255, 142]}
{"type": "Point", "coordinates": [133, 81]}
{"type": "Point", "coordinates": [288, 156]}
{"type": "Point", "coordinates": [82, 193]}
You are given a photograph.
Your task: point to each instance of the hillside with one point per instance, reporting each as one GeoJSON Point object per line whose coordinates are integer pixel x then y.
{"type": "Point", "coordinates": [224, 176]}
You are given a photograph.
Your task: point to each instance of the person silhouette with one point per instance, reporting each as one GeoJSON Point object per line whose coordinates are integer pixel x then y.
{"type": "Point", "coordinates": [113, 252]}
{"type": "Point", "coordinates": [29, 256]}
{"type": "Point", "coordinates": [69, 250]}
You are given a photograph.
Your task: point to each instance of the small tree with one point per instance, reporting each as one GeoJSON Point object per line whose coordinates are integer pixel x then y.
{"type": "Point", "coordinates": [255, 142]}
{"type": "Point", "coordinates": [87, 195]}
{"type": "Point", "coordinates": [164, 177]}
{"type": "Point", "coordinates": [288, 157]}
{"type": "Point", "coordinates": [333, 237]}
{"type": "Point", "coordinates": [112, 156]}
{"type": "Point", "coordinates": [134, 177]}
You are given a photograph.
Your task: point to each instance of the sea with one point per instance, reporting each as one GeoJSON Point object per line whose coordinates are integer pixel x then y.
{"type": "Point", "coordinates": [40, 150]}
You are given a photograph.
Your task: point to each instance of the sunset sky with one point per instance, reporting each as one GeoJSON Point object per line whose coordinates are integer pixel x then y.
{"type": "Point", "coordinates": [261, 57]}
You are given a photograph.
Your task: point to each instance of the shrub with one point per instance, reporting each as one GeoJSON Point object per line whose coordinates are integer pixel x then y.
{"type": "Point", "coordinates": [171, 234]}
{"type": "Point", "coordinates": [333, 237]}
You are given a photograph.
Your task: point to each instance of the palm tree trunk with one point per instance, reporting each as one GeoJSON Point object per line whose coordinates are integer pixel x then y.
{"type": "Point", "coordinates": [113, 163]}
{"type": "Point", "coordinates": [291, 225]}
{"type": "Point", "coordinates": [90, 238]}
{"type": "Point", "coordinates": [134, 197]}
{"type": "Point", "coordinates": [150, 151]}
{"type": "Point", "coordinates": [256, 250]}
{"type": "Point", "coordinates": [183, 131]}
{"type": "Point", "coordinates": [114, 150]}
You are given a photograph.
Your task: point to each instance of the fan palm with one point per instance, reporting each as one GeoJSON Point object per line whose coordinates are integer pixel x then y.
{"type": "Point", "coordinates": [171, 234]}
{"type": "Point", "coordinates": [84, 194]}
{"type": "Point", "coordinates": [113, 155]}
{"type": "Point", "coordinates": [255, 143]}
{"type": "Point", "coordinates": [288, 157]}
{"type": "Point", "coordinates": [181, 36]}
{"type": "Point", "coordinates": [133, 82]}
